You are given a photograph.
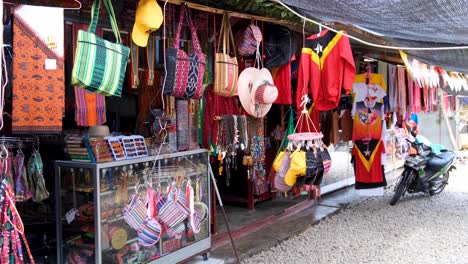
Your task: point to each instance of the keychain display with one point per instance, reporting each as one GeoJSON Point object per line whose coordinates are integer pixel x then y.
{"type": "Point", "coordinates": [116, 147]}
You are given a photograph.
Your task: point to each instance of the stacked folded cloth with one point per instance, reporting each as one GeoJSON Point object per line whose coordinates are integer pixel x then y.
{"type": "Point", "coordinates": [75, 148]}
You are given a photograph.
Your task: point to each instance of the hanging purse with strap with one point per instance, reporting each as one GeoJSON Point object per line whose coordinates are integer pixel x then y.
{"type": "Point", "coordinates": [99, 65]}
{"type": "Point", "coordinates": [226, 67]}
{"type": "Point", "coordinates": [185, 72]}
{"type": "Point", "coordinates": [250, 40]}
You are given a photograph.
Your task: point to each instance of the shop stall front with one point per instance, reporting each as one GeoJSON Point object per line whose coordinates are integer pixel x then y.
{"type": "Point", "coordinates": [117, 112]}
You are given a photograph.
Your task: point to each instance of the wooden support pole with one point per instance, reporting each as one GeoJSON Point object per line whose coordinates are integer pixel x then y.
{"type": "Point", "coordinates": [447, 123]}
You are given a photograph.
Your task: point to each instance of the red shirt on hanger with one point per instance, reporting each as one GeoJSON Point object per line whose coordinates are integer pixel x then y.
{"type": "Point", "coordinates": [326, 66]}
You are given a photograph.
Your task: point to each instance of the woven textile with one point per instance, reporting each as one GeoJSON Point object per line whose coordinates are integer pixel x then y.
{"type": "Point", "coordinates": [90, 108]}
{"type": "Point", "coordinates": [38, 88]}
{"type": "Point", "coordinates": [100, 65]}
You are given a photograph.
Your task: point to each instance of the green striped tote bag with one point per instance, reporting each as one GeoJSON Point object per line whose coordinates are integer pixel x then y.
{"type": "Point", "coordinates": [100, 65]}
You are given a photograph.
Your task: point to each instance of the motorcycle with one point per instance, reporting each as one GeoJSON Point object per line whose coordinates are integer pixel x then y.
{"type": "Point", "coordinates": [425, 171]}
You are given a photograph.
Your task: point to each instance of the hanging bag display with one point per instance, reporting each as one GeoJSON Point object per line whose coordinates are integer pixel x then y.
{"type": "Point", "coordinates": [226, 67]}
{"type": "Point", "coordinates": [250, 41]}
{"type": "Point", "coordinates": [100, 65]}
{"type": "Point", "coordinates": [185, 72]}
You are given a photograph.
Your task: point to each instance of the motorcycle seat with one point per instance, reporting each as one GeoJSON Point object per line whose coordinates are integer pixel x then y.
{"type": "Point", "coordinates": [439, 161]}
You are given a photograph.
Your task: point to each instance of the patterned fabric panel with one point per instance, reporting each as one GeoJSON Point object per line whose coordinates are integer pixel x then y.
{"type": "Point", "coordinates": [38, 71]}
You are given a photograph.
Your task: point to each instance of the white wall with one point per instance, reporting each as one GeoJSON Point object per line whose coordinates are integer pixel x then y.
{"type": "Point", "coordinates": [433, 126]}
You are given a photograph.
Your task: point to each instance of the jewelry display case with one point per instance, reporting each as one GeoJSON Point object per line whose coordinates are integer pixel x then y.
{"type": "Point", "coordinates": [95, 206]}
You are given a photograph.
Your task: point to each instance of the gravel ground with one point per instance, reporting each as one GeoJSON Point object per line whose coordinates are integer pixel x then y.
{"type": "Point", "coordinates": [419, 229]}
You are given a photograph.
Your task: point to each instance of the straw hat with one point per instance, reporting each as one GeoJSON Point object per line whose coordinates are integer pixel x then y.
{"type": "Point", "coordinates": [98, 131]}
{"type": "Point", "coordinates": [256, 91]}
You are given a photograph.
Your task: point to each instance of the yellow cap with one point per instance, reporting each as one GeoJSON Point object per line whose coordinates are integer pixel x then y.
{"type": "Point", "coordinates": [148, 18]}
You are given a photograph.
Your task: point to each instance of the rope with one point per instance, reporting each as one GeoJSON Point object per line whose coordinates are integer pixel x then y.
{"type": "Point", "coordinates": [363, 41]}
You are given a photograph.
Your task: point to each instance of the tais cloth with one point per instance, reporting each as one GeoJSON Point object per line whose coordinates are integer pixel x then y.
{"type": "Point", "coordinates": [90, 108]}
{"type": "Point", "coordinates": [38, 91]}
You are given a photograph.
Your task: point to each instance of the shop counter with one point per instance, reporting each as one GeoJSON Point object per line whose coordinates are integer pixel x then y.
{"type": "Point", "coordinates": [91, 197]}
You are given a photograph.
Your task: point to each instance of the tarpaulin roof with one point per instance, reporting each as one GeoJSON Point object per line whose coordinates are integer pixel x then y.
{"type": "Point", "coordinates": [419, 23]}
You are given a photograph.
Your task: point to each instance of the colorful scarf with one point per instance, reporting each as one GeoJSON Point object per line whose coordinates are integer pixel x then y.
{"type": "Point", "coordinates": [90, 107]}
{"type": "Point", "coordinates": [416, 98]}
{"type": "Point", "coordinates": [392, 88]}
{"type": "Point", "coordinates": [39, 72]}
{"type": "Point", "coordinates": [410, 99]}
{"type": "Point", "coordinates": [401, 84]}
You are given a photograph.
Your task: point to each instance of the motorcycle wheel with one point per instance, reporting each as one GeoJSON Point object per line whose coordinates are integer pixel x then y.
{"type": "Point", "coordinates": [402, 185]}
{"type": "Point", "coordinates": [441, 187]}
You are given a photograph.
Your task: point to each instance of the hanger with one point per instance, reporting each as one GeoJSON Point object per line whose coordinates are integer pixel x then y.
{"type": "Point", "coordinates": [74, 8]}
{"type": "Point", "coordinates": [64, 8]}
{"type": "Point", "coordinates": [368, 72]}
{"type": "Point", "coordinates": [320, 30]}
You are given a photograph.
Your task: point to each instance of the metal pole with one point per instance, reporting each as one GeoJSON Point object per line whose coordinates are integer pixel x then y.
{"type": "Point", "coordinates": [224, 214]}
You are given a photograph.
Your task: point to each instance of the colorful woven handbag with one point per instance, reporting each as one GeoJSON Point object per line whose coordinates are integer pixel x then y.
{"type": "Point", "coordinates": [327, 162]}
{"type": "Point", "coordinates": [185, 72]}
{"type": "Point", "coordinates": [150, 233]}
{"type": "Point", "coordinates": [250, 41]}
{"type": "Point", "coordinates": [100, 65]}
{"type": "Point", "coordinates": [135, 213]}
{"type": "Point", "coordinates": [172, 213]}
{"type": "Point", "coordinates": [226, 67]}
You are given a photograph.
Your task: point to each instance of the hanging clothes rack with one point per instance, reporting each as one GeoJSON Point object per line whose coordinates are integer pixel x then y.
{"type": "Point", "coordinates": [19, 142]}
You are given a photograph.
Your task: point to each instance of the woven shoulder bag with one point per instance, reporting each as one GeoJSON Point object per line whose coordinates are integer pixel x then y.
{"type": "Point", "coordinates": [100, 65]}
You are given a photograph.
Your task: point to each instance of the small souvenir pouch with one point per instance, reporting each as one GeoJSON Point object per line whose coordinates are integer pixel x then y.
{"type": "Point", "coordinates": [280, 185]}
{"type": "Point", "coordinates": [172, 212]}
{"type": "Point", "coordinates": [278, 160]}
{"type": "Point", "coordinates": [135, 213]}
{"type": "Point", "coordinates": [150, 233]}
{"type": "Point", "coordinates": [296, 169]}
{"type": "Point", "coordinates": [326, 160]}
{"type": "Point", "coordinates": [314, 168]}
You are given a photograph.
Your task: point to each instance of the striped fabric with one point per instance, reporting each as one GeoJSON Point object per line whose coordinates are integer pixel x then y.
{"type": "Point", "coordinates": [226, 74]}
{"type": "Point", "coordinates": [90, 108]}
{"type": "Point", "coordinates": [250, 41]}
{"type": "Point", "coordinates": [99, 65]}
{"type": "Point", "coordinates": [226, 67]}
{"type": "Point", "coordinates": [135, 214]}
{"type": "Point", "coordinates": [150, 233]}
{"type": "Point", "coordinates": [200, 216]}
{"type": "Point", "coordinates": [171, 214]}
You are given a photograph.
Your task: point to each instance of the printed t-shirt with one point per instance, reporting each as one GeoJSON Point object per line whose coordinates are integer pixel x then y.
{"type": "Point", "coordinates": [375, 91]}
{"type": "Point", "coordinates": [367, 121]}
{"type": "Point", "coordinates": [368, 163]}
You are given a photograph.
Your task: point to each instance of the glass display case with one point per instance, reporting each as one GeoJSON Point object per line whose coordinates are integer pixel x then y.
{"type": "Point", "coordinates": [98, 203]}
